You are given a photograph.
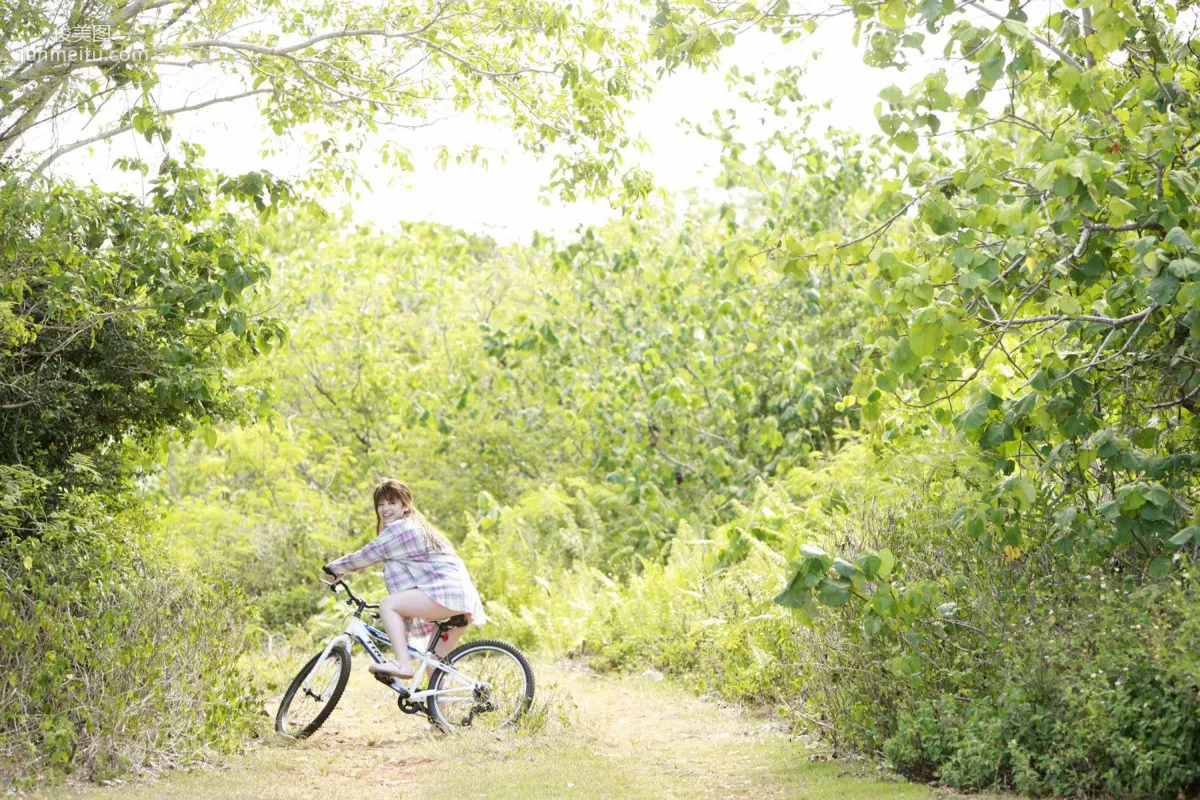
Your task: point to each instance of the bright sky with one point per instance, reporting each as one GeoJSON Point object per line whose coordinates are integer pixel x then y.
{"type": "Point", "coordinates": [503, 199]}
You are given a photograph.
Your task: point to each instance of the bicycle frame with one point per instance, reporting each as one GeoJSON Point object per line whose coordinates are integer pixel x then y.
{"type": "Point", "coordinates": [357, 631]}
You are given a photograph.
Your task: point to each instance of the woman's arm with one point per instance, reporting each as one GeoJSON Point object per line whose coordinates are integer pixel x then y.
{"type": "Point", "coordinates": [399, 539]}
{"type": "Point", "coordinates": [372, 552]}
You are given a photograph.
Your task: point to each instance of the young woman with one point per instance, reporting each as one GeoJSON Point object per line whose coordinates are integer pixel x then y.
{"type": "Point", "coordinates": [424, 577]}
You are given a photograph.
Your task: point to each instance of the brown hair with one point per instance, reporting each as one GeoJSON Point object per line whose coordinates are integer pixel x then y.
{"type": "Point", "coordinates": [398, 492]}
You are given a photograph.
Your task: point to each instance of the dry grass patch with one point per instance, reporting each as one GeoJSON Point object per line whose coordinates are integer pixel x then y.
{"type": "Point", "coordinates": [590, 737]}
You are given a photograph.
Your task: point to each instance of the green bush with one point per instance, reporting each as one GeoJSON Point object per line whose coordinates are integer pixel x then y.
{"type": "Point", "coordinates": [1106, 703]}
{"type": "Point", "coordinates": [1032, 676]}
{"type": "Point", "coordinates": [114, 659]}
{"type": "Point", "coordinates": [121, 319]}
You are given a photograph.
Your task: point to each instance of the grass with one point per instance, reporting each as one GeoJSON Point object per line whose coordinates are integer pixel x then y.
{"type": "Point", "coordinates": [592, 737]}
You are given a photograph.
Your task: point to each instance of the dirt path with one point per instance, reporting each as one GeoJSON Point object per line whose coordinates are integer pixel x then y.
{"type": "Point", "coordinates": [603, 737]}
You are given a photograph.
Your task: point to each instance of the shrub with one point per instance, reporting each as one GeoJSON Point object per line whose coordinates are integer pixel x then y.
{"type": "Point", "coordinates": [1104, 703]}
{"type": "Point", "coordinates": [114, 659]}
{"type": "Point", "coordinates": [1034, 676]}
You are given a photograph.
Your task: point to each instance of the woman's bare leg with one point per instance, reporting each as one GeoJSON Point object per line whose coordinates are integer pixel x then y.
{"type": "Point", "coordinates": [450, 642]}
{"type": "Point", "coordinates": [446, 645]}
{"type": "Point", "coordinates": [409, 603]}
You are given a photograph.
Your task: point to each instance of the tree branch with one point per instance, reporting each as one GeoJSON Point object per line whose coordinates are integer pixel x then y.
{"type": "Point", "coordinates": [342, 34]}
{"type": "Point", "coordinates": [1046, 43]}
{"type": "Point", "coordinates": [1113, 321]}
{"type": "Point", "coordinates": [111, 132]}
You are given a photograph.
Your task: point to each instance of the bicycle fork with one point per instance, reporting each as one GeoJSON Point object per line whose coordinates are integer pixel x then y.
{"type": "Point", "coordinates": [306, 687]}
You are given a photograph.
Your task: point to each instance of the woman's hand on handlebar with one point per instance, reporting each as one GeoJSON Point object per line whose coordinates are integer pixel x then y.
{"type": "Point", "coordinates": [330, 577]}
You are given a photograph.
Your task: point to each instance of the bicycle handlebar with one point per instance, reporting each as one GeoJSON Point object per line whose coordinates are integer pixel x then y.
{"type": "Point", "coordinates": [351, 597]}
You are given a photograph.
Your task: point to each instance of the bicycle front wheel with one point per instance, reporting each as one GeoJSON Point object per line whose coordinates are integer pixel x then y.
{"type": "Point", "coordinates": [491, 686]}
{"type": "Point", "coordinates": [303, 710]}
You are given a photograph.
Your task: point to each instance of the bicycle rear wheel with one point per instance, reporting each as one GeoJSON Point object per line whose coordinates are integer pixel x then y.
{"type": "Point", "coordinates": [302, 712]}
{"type": "Point", "coordinates": [493, 687]}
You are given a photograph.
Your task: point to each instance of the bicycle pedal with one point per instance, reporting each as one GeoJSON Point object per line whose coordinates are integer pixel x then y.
{"type": "Point", "coordinates": [394, 684]}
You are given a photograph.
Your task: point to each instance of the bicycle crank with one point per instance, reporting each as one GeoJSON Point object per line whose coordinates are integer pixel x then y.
{"type": "Point", "coordinates": [408, 706]}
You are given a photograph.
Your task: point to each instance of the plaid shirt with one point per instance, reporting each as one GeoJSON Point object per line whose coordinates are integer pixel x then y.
{"type": "Point", "coordinates": [410, 563]}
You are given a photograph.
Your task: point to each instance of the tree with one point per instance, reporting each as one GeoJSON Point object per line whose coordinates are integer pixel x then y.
{"type": "Point", "coordinates": [1041, 290]}
{"type": "Point", "coordinates": [120, 321]}
{"type": "Point", "coordinates": [121, 318]}
{"type": "Point", "coordinates": [1034, 270]}
{"type": "Point", "coordinates": [333, 73]}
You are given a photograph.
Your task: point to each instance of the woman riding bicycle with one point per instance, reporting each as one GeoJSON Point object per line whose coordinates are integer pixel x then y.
{"type": "Point", "coordinates": [425, 578]}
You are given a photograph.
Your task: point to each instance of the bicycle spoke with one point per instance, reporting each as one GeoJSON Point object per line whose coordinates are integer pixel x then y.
{"type": "Point", "coordinates": [498, 690]}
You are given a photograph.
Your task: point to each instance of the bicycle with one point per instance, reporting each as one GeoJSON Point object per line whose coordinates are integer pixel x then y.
{"type": "Point", "coordinates": [486, 683]}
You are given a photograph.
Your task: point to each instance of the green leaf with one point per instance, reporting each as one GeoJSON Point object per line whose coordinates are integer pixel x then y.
{"type": "Point", "coordinates": [1024, 489]}
{"type": "Point", "coordinates": [844, 568]}
{"type": "Point", "coordinates": [1131, 498]}
{"type": "Point", "coordinates": [794, 595]}
{"type": "Point", "coordinates": [1158, 495]}
{"type": "Point", "coordinates": [834, 592]}
{"type": "Point", "coordinates": [883, 600]}
{"type": "Point", "coordinates": [1021, 409]}
{"type": "Point", "coordinates": [825, 253]}
{"type": "Point", "coordinates": [924, 339]}
{"type": "Point", "coordinates": [1065, 516]}
{"type": "Point", "coordinates": [886, 562]}
{"type": "Point", "coordinates": [993, 68]}
{"type": "Point", "coordinates": [1188, 534]}
{"type": "Point", "coordinates": [812, 551]}
{"type": "Point", "coordinates": [946, 609]}
{"type": "Point", "coordinates": [1110, 510]}
{"type": "Point", "coordinates": [906, 141]}
{"type": "Point", "coordinates": [973, 418]}
{"type": "Point", "coordinates": [1179, 238]}
{"type": "Point", "coordinates": [903, 357]}
{"type": "Point", "coordinates": [997, 434]}
{"type": "Point", "coordinates": [1076, 425]}
{"type": "Point", "coordinates": [1162, 289]}
{"type": "Point", "coordinates": [869, 563]}
{"type": "Point", "coordinates": [893, 12]}
{"type": "Point", "coordinates": [1111, 37]}
{"type": "Point", "coordinates": [1184, 268]}
{"type": "Point", "coordinates": [1067, 76]}
{"type": "Point", "coordinates": [1019, 28]}
{"type": "Point", "coordinates": [142, 120]}
{"type": "Point", "coordinates": [1159, 567]}
{"type": "Point", "coordinates": [1182, 181]}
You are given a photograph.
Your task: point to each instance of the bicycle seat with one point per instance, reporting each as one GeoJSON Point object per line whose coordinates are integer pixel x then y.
{"type": "Point", "coordinates": [457, 621]}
